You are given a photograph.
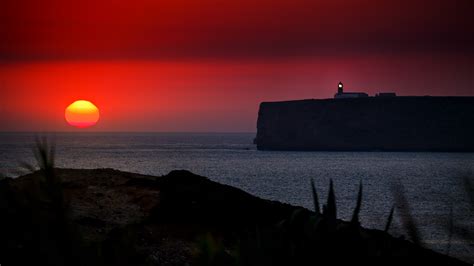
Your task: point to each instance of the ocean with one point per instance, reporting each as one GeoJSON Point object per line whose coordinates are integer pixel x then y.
{"type": "Point", "coordinates": [433, 182]}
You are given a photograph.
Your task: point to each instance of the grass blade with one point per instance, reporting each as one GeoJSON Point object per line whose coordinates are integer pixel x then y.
{"type": "Point", "coordinates": [315, 198]}
{"type": "Point", "coordinates": [331, 210]}
{"type": "Point", "coordinates": [355, 215]}
{"type": "Point", "coordinates": [389, 219]}
{"type": "Point", "coordinates": [405, 213]}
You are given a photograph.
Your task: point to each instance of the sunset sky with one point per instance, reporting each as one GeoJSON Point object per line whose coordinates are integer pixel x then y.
{"type": "Point", "coordinates": [182, 65]}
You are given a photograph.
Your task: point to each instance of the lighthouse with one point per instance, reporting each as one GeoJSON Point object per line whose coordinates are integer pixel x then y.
{"type": "Point", "coordinates": [341, 94]}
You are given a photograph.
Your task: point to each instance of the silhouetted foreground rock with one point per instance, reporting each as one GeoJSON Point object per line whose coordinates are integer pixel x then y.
{"type": "Point", "coordinates": [109, 217]}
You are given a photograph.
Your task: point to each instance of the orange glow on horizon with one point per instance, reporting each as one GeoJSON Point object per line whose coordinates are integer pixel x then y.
{"type": "Point", "coordinates": [82, 114]}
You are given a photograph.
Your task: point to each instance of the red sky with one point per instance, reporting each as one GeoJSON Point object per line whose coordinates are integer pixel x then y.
{"type": "Point", "coordinates": [206, 65]}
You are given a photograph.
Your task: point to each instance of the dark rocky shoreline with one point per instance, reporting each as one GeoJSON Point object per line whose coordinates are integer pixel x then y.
{"type": "Point", "coordinates": [110, 217]}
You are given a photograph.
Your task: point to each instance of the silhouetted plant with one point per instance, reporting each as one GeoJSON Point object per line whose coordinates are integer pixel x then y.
{"type": "Point", "coordinates": [408, 222]}
{"type": "Point", "coordinates": [47, 229]}
{"type": "Point", "coordinates": [406, 217]}
{"type": "Point", "coordinates": [329, 210]}
{"type": "Point", "coordinates": [44, 154]}
{"type": "Point", "coordinates": [303, 235]}
{"type": "Point", "coordinates": [461, 231]}
{"type": "Point", "coordinates": [315, 198]}
{"type": "Point", "coordinates": [50, 183]}
{"type": "Point", "coordinates": [389, 219]}
{"type": "Point", "coordinates": [355, 215]}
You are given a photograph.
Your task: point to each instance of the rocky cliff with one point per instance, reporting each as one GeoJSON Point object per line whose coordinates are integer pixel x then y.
{"type": "Point", "coordinates": [374, 123]}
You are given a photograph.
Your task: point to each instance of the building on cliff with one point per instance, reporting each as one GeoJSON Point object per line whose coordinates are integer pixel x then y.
{"type": "Point", "coordinates": [341, 94]}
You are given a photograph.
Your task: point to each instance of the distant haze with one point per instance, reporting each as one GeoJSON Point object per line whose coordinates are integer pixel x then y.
{"type": "Point", "coordinates": [206, 65]}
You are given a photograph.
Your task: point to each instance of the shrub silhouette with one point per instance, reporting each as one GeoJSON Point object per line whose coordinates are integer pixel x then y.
{"type": "Point", "coordinates": [39, 222]}
{"type": "Point", "coordinates": [305, 235]}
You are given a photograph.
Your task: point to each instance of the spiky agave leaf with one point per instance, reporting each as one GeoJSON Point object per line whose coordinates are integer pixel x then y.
{"type": "Point", "coordinates": [44, 154]}
{"type": "Point", "coordinates": [51, 183]}
{"type": "Point", "coordinates": [330, 210]}
{"type": "Point", "coordinates": [406, 216]}
{"type": "Point", "coordinates": [463, 231]}
{"type": "Point", "coordinates": [315, 198]}
{"type": "Point", "coordinates": [355, 215]}
{"type": "Point", "coordinates": [389, 219]}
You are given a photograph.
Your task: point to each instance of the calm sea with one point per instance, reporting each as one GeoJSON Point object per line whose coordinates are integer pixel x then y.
{"type": "Point", "coordinates": [433, 182]}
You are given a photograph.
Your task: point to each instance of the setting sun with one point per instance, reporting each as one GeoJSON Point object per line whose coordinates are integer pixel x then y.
{"type": "Point", "coordinates": [82, 114]}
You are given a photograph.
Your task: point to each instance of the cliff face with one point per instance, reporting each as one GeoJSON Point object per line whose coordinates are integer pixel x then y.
{"type": "Point", "coordinates": [391, 124]}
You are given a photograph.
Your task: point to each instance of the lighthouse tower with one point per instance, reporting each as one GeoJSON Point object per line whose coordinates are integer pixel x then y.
{"type": "Point", "coordinates": [341, 94]}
